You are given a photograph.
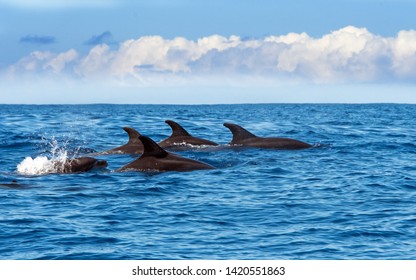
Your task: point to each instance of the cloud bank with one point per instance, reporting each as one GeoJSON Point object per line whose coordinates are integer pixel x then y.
{"type": "Point", "coordinates": [35, 39]}
{"type": "Point", "coordinates": [104, 38]}
{"type": "Point", "coordinates": [349, 54]}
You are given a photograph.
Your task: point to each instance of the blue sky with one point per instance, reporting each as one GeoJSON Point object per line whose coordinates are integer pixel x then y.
{"type": "Point", "coordinates": [160, 51]}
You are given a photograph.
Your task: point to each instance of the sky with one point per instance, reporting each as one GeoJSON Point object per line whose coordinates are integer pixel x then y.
{"type": "Point", "coordinates": [193, 51]}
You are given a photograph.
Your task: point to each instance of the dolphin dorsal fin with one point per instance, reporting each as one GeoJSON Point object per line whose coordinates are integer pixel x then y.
{"type": "Point", "coordinates": [177, 130]}
{"type": "Point", "coordinates": [133, 134]}
{"type": "Point", "coordinates": [238, 132]}
{"type": "Point", "coordinates": [151, 149]}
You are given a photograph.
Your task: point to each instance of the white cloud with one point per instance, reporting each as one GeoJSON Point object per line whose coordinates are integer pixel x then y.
{"type": "Point", "coordinates": [337, 55]}
{"type": "Point", "coordinates": [345, 55]}
{"type": "Point", "coordinates": [44, 62]}
{"type": "Point", "coordinates": [59, 62]}
{"type": "Point", "coordinates": [404, 54]}
{"type": "Point", "coordinates": [96, 62]}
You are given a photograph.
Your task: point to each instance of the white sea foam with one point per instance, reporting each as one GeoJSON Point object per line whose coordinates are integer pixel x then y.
{"type": "Point", "coordinates": [42, 164]}
{"type": "Point", "coordinates": [192, 146]}
{"type": "Point", "coordinates": [36, 166]}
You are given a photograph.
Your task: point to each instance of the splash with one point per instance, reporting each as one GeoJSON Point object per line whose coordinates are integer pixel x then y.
{"type": "Point", "coordinates": [44, 165]}
{"type": "Point", "coordinates": [185, 144]}
{"type": "Point", "coordinates": [36, 166]}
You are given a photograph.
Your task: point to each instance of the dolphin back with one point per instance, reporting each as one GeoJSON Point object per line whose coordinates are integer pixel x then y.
{"type": "Point", "coordinates": [239, 133]}
{"type": "Point", "coordinates": [80, 164]}
{"type": "Point", "coordinates": [151, 148]}
{"type": "Point", "coordinates": [133, 134]}
{"type": "Point", "coordinates": [177, 129]}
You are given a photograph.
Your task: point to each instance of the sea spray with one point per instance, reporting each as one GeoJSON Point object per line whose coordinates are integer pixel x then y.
{"type": "Point", "coordinates": [42, 164]}
{"type": "Point", "coordinates": [36, 166]}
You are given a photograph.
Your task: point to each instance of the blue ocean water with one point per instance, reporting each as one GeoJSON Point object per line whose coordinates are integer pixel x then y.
{"type": "Point", "coordinates": [352, 196]}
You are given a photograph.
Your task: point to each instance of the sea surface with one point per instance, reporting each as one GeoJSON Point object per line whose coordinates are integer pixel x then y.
{"type": "Point", "coordinates": [351, 196]}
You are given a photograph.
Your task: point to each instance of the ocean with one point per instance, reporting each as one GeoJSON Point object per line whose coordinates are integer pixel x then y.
{"type": "Point", "coordinates": [351, 196]}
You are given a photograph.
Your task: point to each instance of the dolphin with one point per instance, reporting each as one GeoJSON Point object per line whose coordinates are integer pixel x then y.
{"type": "Point", "coordinates": [133, 146]}
{"type": "Point", "coordinates": [13, 184]}
{"type": "Point", "coordinates": [80, 164]}
{"type": "Point", "coordinates": [242, 137]}
{"type": "Point", "coordinates": [155, 158]}
{"type": "Point", "coordinates": [181, 138]}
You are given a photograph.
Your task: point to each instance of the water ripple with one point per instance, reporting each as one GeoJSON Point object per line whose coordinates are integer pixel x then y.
{"type": "Point", "coordinates": [351, 196]}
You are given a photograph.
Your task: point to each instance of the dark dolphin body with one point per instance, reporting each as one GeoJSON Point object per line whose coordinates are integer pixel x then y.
{"type": "Point", "coordinates": [80, 164]}
{"type": "Point", "coordinates": [243, 137]}
{"type": "Point", "coordinates": [155, 158]}
{"type": "Point", "coordinates": [133, 146]}
{"type": "Point", "coordinates": [180, 138]}
{"type": "Point", "coordinates": [13, 184]}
